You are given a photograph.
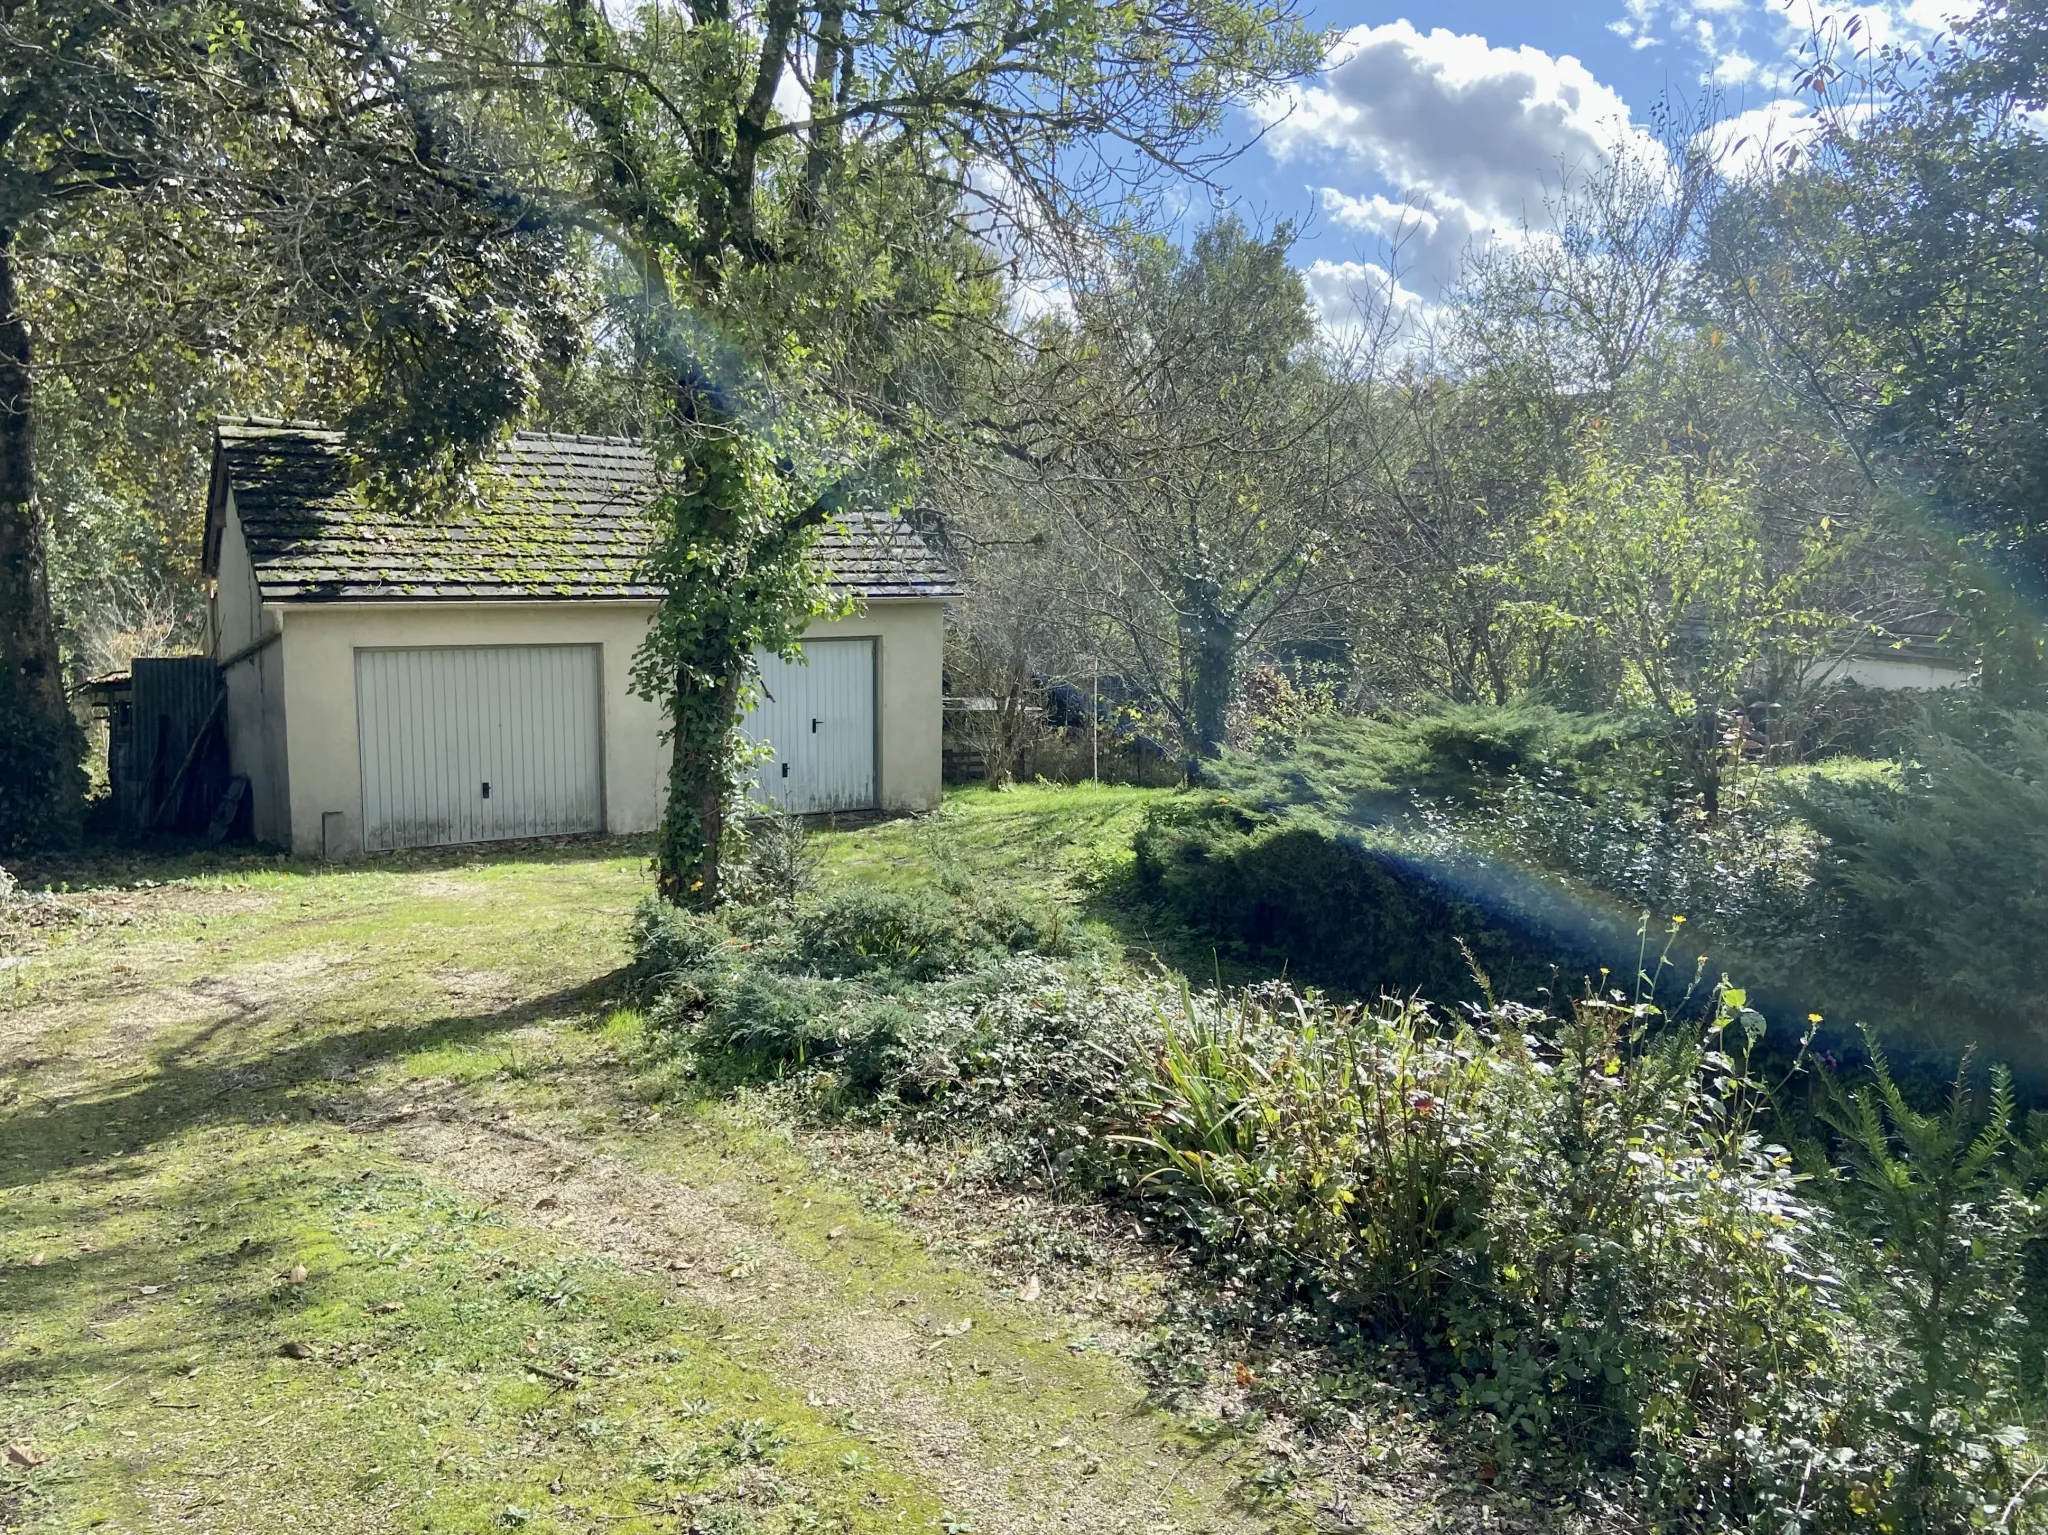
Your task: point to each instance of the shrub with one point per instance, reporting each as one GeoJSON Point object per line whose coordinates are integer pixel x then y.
{"type": "Point", "coordinates": [670, 943]}
{"type": "Point", "coordinates": [778, 865]}
{"type": "Point", "coordinates": [1934, 886]}
{"type": "Point", "coordinates": [1358, 767]}
{"type": "Point", "coordinates": [761, 1021]}
{"type": "Point", "coordinates": [1580, 1228]}
{"type": "Point", "coordinates": [1904, 894]}
{"type": "Point", "coordinates": [1943, 1217]}
{"type": "Point", "coordinates": [860, 931]}
{"type": "Point", "coordinates": [1368, 910]}
{"type": "Point", "coordinates": [921, 935]}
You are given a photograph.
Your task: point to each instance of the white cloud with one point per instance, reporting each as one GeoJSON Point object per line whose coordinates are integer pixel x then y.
{"type": "Point", "coordinates": [1424, 236]}
{"type": "Point", "coordinates": [1718, 32]}
{"type": "Point", "coordinates": [1735, 68]}
{"type": "Point", "coordinates": [1354, 297]}
{"type": "Point", "coordinates": [1762, 137]}
{"type": "Point", "coordinates": [1469, 139]}
{"type": "Point", "coordinates": [1446, 114]}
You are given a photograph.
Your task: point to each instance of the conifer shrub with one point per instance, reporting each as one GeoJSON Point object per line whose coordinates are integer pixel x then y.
{"type": "Point", "coordinates": [671, 944]}
{"type": "Point", "coordinates": [1367, 911]}
{"type": "Point", "coordinates": [1932, 886]}
{"type": "Point", "coordinates": [1907, 894]}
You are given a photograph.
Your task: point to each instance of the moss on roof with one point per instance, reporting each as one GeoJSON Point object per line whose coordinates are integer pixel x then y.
{"type": "Point", "coordinates": [566, 518]}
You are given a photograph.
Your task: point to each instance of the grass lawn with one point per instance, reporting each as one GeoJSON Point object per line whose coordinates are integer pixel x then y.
{"type": "Point", "coordinates": [347, 1197]}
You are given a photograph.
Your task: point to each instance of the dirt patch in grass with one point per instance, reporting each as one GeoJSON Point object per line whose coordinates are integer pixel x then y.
{"type": "Point", "coordinates": [709, 1290]}
{"type": "Point", "coordinates": [980, 1397]}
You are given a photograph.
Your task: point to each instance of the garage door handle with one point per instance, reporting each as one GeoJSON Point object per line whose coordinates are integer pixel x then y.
{"type": "Point", "coordinates": [487, 791]}
{"type": "Point", "coordinates": [785, 770]}
{"type": "Point", "coordinates": [814, 727]}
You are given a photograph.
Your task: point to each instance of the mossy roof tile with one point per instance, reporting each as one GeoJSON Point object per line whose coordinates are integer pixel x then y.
{"type": "Point", "coordinates": [565, 517]}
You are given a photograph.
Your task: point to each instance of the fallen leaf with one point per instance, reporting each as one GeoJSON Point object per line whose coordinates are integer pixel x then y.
{"type": "Point", "coordinates": [297, 1350]}
{"type": "Point", "coordinates": [37, 1260]}
{"type": "Point", "coordinates": [835, 1233]}
{"type": "Point", "coordinates": [386, 1307]}
{"type": "Point", "coordinates": [546, 1202]}
{"type": "Point", "coordinates": [152, 1289]}
{"type": "Point", "coordinates": [1031, 1289]}
{"type": "Point", "coordinates": [298, 1273]}
{"type": "Point", "coordinates": [25, 1457]}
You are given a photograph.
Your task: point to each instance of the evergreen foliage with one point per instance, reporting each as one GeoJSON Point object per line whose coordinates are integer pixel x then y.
{"type": "Point", "coordinates": [1902, 895]}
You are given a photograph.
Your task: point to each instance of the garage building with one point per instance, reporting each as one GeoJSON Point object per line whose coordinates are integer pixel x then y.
{"type": "Point", "coordinates": [416, 682]}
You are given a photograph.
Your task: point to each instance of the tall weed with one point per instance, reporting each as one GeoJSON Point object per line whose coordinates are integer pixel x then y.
{"type": "Point", "coordinates": [1581, 1228]}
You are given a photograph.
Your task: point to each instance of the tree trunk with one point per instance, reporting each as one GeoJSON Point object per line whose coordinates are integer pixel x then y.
{"type": "Point", "coordinates": [699, 783]}
{"type": "Point", "coordinates": [1209, 652]}
{"type": "Point", "coordinates": [40, 744]}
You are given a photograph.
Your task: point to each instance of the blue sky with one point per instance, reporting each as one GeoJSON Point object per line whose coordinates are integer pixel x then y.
{"type": "Point", "coordinates": [1442, 125]}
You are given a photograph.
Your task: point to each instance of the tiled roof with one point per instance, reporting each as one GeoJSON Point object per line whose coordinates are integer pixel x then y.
{"type": "Point", "coordinates": [565, 517]}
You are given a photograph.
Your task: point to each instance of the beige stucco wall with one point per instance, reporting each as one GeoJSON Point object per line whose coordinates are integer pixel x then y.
{"type": "Point", "coordinates": [306, 748]}
{"type": "Point", "coordinates": [320, 643]}
{"type": "Point", "coordinates": [255, 684]}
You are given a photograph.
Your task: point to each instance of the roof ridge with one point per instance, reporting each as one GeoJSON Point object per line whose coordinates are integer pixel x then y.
{"type": "Point", "coordinates": [275, 424]}
{"type": "Point", "coordinates": [584, 437]}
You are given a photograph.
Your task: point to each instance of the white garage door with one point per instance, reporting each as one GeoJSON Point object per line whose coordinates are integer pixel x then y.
{"type": "Point", "coordinates": [818, 715]}
{"type": "Point", "coordinates": [475, 743]}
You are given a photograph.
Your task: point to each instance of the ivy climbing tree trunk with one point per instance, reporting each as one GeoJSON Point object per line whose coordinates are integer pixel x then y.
{"type": "Point", "coordinates": [704, 712]}
{"type": "Point", "coordinates": [40, 744]}
{"type": "Point", "coordinates": [734, 530]}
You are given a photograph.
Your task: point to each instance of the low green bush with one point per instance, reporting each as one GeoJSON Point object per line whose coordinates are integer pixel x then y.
{"type": "Point", "coordinates": [1909, 894]}
{"type": "Point", "coordinates": [1577, 1225]}
{"type": "Point", "coordinates": [777, 864]}
{"type": "Point", "coordinates": [1932, 886]}
{"type": "Point", "coordinates": [1355, 766]}
{"type": "Point", "coordinates": [1369, 910]}
{"type": "Point", "coordinates": [865, 981]}
{"type": "Point", "coordinates": [917, 934]}
{"type": "Point", "coordinates": [670, 943]}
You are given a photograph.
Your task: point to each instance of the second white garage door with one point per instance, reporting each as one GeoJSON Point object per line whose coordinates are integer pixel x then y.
{"type": "Point", "coordinates": [818, 718]}
{"type": "Point", "coordinates": [478, 743]}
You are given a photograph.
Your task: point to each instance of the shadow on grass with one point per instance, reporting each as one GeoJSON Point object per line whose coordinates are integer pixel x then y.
{"type": "Point", "coordinates": [186, 1089]}
{"type": "Point", "coordinates": [1155, 939]}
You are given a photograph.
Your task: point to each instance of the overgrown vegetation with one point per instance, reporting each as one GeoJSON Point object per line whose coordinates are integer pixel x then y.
{"type": "Point", "coordinates": [1613, 1257]}
{"type": "Point", "coordinates": [1363, 851]}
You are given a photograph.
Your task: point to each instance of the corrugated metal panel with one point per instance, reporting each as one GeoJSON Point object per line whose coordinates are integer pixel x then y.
{"type": "Point", "coordinates": [478, 743]}
{"type": "Point", "coordinates": [819, 716]}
